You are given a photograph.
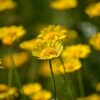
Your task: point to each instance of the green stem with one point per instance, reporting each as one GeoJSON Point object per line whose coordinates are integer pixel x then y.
{"type": "Point", "coordinates": [80, 83]}
{"type": "Point", "coordinates": [50, 63]}
{"type": "Point", "coordinates": [10, 72]}
{"type": "Point", "coordinates": [15, 71]}
{"type": "Point", "coordinates": [67, 79]}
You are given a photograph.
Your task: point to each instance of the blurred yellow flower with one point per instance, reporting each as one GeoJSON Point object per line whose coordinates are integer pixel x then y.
{"type": "Point", "coordinates": [95, 41]}
{"type": "Point", "coordinates": [91, 97]}
{"type": "Point", "coordinates": [31, 88]}
{"type": "Point", "coordinates": [48, 50]}
{"type": "Point", "coordinates": [11, 33]}
{"type": "Point", "coordinates": [7, 93]}
{"type": "Point", "coordinates": [64, 4]}
{"type": "Point", "coordinates": [71, 65]}
{"type": "Point", "coordinates": [7, 4]}
{"type": "Point", "coordinates": [31, 44]}
{"type": "Point", "coordinates": [44, 68]}
{"type": "Point", "coordinates": [76, 51]}
{"type": "Point", "coordinates": [53, 32]}
{"type": "Point", "coordinates": [42, 95]}
{"type": "Point", "coordinates": [19, 59]}
{"type": "Point", "coordinates": [98, 86]}
{"type": "Point", "coordinates": [93, 9]}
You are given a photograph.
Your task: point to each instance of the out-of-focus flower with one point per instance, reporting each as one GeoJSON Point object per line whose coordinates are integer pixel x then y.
{"type": "Point", "coordinates": [71, 65]}
{"type": "Point", "coordinates": [7, 4]}
{"type": "Point", "coordinates": [93, 10]}
{"type": "Point", "coordinates": [8, 93]}
{"type": "Point", "coordinates": [19, 59]}
{"type": "Point", "coordinates": [53, 32]}
{"type": "Point", "coordinates": [64, 4]}
{"type": "Point", "coordinates": [98, 86]}
{"type": "Point", "coordinates": [91, 97]}
{"type": "Point", "coordinates": [11, 33]}
{"type": "Point", "coordinates": [48, 50]}
{"type": "Point", "coordinates": [95, 41]}
{"type": "Point", "coordinates": [44, 68]}
{"type": "Point", "coordinates": [31, 88]}
{"type": "Point", "coordinates": [31, 44]}
{"type": "Point", "coordinates": [76, 51]}
{"type": "Point", "coordinates": [42, 95]}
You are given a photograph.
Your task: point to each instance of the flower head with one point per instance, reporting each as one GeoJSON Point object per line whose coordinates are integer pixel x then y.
{"type": "Point", "coordinates": [91, 97]}
{"type": "Point", "coordinates": [7, 93]}
{"type": "Point", "coordinates": [71, 65]}
{"type": "Point", "coordinates": [48, 50]}
{"type": "Point", "coordinates": [53, 32]}
{"type": "Point", "coordinates": [93, 10]}
{"type": "Point", "coordinates": [98, 86]}
{"type": "Point", "coordinates": [77, 51]}
{"type": "Point", "coordinates": [95, 41]}
{"type": "Point", "coordinates": [7, 4]}
{"type": "Point", "coordinates": [64, 4]}
{"type": "Point", "coordinates": [42, 95]}
{"type": "Point", "coordinates": [19, 59]}
{"type": "Point", "coordinates": [9, 34]}
{"type": "Point", "coordinates": [31, 44]}
{"type": "Point", "coordinates": [31, 88]}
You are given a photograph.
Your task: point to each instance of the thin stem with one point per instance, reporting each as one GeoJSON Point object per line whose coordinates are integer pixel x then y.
{"type": "Point", "coordinates": [50, 63]}
{"type": "Point", "coordinates": [10, 72]}
{"type": "Point", "coordinates": [15, 70]}
{"type": "Point", "coordinates": [80, 83]}
{"type": "Point", "coordinates": [67, 79]}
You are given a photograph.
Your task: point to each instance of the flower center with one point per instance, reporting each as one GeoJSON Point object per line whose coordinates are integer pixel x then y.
{"type": "Point", "coordinates": [48, 52]}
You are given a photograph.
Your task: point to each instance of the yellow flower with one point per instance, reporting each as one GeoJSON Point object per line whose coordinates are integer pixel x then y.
{"type": "Point", "coordinates": [42, 95]}
{"type": "Point", "coordinates": [48, 50]}
{"type": "Point", "coordinates": [77, 51]}
{"type": "Point", "coordinates": [98, 86]}
{"type": "Point", "coordinates": [64, 4]}
{"type": "Point", "coordinates": [93, 10]}
{"type": "Point", "coordinates": [31, 44]}
{"type": "Point", "coordinates": [7, 93]}
{"type": "Point", "coordinates": [44, 68]}
{"type": "Point", "coordinates": [19, 59]}
{"type": "Point", "coordinates": [91, 97]}
{"type": "Point", "coordinates": [7, 4]}
{"type": "Point", "coordinates": [71, 65]}
{"type": "Point", "coordinates": [31, 88]}
{"type": "Point", "coordinates": [9, 34]}
{"type": "Point", "coordinates": [53, 32]}
{"type": "Point", "coordinates": [95, 41]}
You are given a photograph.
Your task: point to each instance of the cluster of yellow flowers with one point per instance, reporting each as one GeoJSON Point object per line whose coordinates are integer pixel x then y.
{"type": "Point", "coordinates": [64, 4]}
{"type": "Point", "coordinates": [8, 93]}
{"type": "Point", "coordinates": [47, 45]}
{"type": "Point", "coordinates": [7, 4]}
{"type": "Point", "coordinates": [35, 92]}
{"type": "Point", "coordinates": [93, 9]}
{"type": "Point", "coordinates": [71, 56]}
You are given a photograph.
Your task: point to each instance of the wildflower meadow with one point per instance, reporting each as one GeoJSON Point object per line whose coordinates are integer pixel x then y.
{"type": "Point", "coordinates": [49, 50]}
